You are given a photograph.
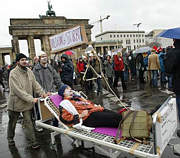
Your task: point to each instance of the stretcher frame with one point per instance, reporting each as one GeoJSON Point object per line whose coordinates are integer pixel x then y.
{"type": "Point", "coordinates": [103, 142]}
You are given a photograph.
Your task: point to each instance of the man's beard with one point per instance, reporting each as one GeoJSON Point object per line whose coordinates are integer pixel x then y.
{"type": "Point", "coordinates": [44, 65]}
{"type": "Point", "coordinates": [23, 67]}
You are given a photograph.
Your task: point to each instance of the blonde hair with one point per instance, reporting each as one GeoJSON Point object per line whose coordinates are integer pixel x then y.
{"type": "Point", "coordinates": [119, 53]}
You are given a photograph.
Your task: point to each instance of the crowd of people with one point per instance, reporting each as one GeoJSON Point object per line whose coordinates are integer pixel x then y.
{"type": "Point", "coordinates": [127, 66]}
{"type": "Point", "coordinates": [4, 76]}
{"type": "Point", "coordinates": [27, 82]}
{"type": "Point", "coordinates": [146, 67]}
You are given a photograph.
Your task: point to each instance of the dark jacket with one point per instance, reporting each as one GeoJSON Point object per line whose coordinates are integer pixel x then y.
{"type": "Point", "coordinates": [1, 74]}
{"type": "Point", "coordinates": [47, 77]}
{"type": "Point", "coordinates": [109, 71]}
{"type": "Point", "coordinates": [161, 60]}
{"type": "Point", "coordinates": [89, 73]}
{"type": "Point", "coordinates": [140, 62]}
{"type": "Point", "coordinates": [67, 69]}
{"type": "Point", "coordinates": [173, 58]}
{"type": "Point", "coordinates": [131, 61]}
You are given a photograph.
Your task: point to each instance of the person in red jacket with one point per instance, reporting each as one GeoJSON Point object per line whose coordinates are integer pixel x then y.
{"type": "Point", "coordinates": [119, 71]}
{"type": "Point", "coordinates": [80, 69]}
{"type": "Point", "coordinates": [80, 65]}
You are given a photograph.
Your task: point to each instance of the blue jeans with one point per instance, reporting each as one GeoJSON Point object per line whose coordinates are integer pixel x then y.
{"type": "Point", "coordinates": [154, 78]}
{"type": "Point", "coordinates": [178, 105]}
{"type": "Point", "coordinates": [170, 81]}
{"type": "Point", "coordinates": [126, 75]}
{"type": "Point", "coordinates": [163, 79]}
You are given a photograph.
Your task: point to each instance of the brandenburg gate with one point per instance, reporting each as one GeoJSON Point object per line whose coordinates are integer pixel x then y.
{"type": "Point", "coordinates": [42, 28]}
{"type": "Point", "coordinates": [3, 52]}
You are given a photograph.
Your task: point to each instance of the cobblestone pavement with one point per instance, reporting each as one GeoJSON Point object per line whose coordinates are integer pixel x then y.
{"type": "Point", "coordinates": [141, 97]}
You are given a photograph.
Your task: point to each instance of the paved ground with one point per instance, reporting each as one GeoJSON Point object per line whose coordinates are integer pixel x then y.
{"type": "Point", "coordinates": [137, 96]}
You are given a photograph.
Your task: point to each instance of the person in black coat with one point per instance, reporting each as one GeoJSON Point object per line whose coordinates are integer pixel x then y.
{"type": "Point", "coordinates": [172, 66]}
{"type": "Point", "coordinates": [131, 64]}
{"type": "Point", "coordinates": [67, 70]}
{"type": "Point", "coordinates": [1, 78]}
{"type": "Point", "coordinates": [140, 66]}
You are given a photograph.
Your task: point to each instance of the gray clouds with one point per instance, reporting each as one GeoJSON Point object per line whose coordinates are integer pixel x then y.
{"type": "Point", "coordinates": [153, 14]}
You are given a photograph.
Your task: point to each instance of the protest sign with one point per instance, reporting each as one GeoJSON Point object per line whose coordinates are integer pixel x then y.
{"type": "Point", "coordinates": [68, 39]}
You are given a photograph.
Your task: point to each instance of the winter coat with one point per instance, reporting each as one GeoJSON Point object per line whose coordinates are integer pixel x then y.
{"type": "Point", "coordinates": [146, 61]}
{"type": "Point", "coordinates": [96, 65]}
{"type": "Point", "coordinates": [80, 105]}
{"type": "Point", "coordinates": [140, 63]}
{"type": "Point", "coordinates": [1, 74]}
{"type": "Point", "coordinates": [67, 69]}
{"type": "Point", "coordinates": [125, 60]}
{"type": "Point", "coordinates": [153, 62]}
{"type": "Point", "coordinates": [173, 58]}
{"type": "Point", "coordinates": [131, 61]}
{"type": "Point", "coordinates": [80, 66]}
{"type": "Point", "coordinates": [161, 60]}
{"type": "Point", "coordinates": [22, 84]}
{"type": "Point", "coordinates": [108, 69]}
{"type": "Point", "coordinates": [89, 73]}
{"type": "Point", "coordinates": [118, 63]}
{"type": "Point", "coordinates": [47, 77]}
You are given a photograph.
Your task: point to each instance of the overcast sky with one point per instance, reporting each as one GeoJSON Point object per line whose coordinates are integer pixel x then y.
{"type": "Point", "coordinates": [153, 14]}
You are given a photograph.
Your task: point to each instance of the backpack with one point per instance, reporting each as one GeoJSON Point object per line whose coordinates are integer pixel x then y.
{"type": "Point", "coordinates": [135, 125]}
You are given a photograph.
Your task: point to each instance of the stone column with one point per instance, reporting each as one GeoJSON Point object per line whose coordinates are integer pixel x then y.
{"type": "Point", "coordinates": [1, 59]}
{"type": "Point", "coordinates": [15, 45]}
{"type": "Point", "coordinates": [108, 47]}
{"type": "Point", "coordinates": [42, 46]}
{"type": "Point", "coordinates": [31, 47]}
{"type": "Point", "coordinates": [12, 56]}
{"type": "Point", "coordinates": [45, 45]}
{"type": "Point", "coordinates": [102, 50]}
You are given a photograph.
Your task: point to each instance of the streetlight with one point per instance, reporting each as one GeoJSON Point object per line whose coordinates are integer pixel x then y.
{"type": "Point", "coordinates": [137, 25]}
{"type": "Point", "coordinates": [100, 21]}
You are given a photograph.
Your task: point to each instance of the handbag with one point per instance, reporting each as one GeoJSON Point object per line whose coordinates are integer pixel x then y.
{"type": "Point", "coordinates": [134, 124]}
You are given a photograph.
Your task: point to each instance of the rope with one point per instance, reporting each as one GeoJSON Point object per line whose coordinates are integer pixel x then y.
{"type": "Point", "coordinates": [103, 77]}
{"type": "Point", "coordinates": [89, 66]}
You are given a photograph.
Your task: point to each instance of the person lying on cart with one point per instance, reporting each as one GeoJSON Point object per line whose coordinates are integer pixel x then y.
{"type": "Point", "coordinates": [75, 109]}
